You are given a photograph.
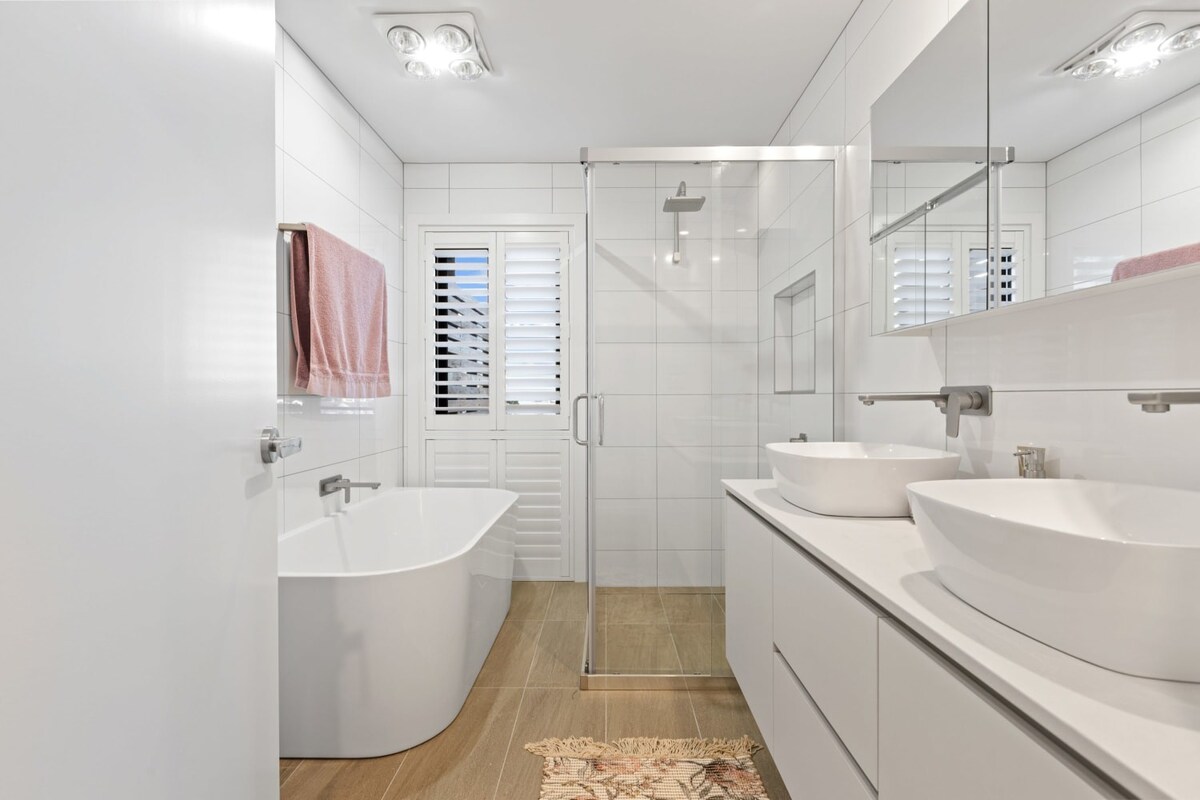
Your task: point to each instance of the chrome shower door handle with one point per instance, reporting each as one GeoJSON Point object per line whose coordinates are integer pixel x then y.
{"type": "Point", "coordinates": [575, 419]}
{"type": "Point", "coordinates": [600, 425]}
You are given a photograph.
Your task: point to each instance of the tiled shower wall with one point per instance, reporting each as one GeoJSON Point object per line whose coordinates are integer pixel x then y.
{"type": "Point", "coordinates": [676, 358]}
{"type": "Point", "coordinates": [1061, 371]}
{"type": "Point", "coordinates": [334, 171]}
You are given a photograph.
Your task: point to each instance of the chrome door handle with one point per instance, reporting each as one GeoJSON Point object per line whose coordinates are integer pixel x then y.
{"type": "Point", "coordinates": [600, 425]}
{"type": "Point", "coordinates": [575, 419]}
{"type": "Point", "coordinates": [272, 446]}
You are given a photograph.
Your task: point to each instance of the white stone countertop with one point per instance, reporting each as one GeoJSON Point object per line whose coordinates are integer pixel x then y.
{"type": "Point", "coordinates": [1143, 734]}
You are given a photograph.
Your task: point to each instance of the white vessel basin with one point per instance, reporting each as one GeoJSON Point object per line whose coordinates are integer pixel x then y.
{"type": "Point", "coordinates": [853, 479]}
{"type": "Point", "coordinates": [1107, 572]}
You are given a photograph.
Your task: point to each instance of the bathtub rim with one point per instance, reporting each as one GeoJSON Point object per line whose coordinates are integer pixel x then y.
{"type": "Point", "coordinates": [512, 498]}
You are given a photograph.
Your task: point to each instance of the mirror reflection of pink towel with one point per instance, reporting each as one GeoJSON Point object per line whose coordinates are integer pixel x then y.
{"type": "Point", "coordinates": [1156, 262]}
{"type": "Point", "coordinates": [339, 317]}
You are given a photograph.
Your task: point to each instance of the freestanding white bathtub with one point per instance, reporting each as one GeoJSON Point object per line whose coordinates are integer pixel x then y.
{"type": "Point", "coordinates": [387, 611]}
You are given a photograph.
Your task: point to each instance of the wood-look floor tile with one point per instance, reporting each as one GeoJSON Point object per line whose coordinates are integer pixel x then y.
{"type": "Point", "coordinates": [632, 609]}
{"type": "Point", "coordinates": [689, 608]}
{"type": "Point", "coordinates": [720, 666]}
{"type": "Point", "coordinates": [568, 602]}
{"type": "Point", "coordinates": [530, 599]}
{"type": "Point", "coordinates": [343, 779]}
{"type": "Point", "coordinates": [667, 715]}
{"type": "Point", "coordinates": [695, 645]}
{"type": "Point", "coordinates": [512, 654]}
{"type": "Point", "coordinates": [463, 762]}
{"type": "Point", "coordinates": [723, 714]}
{"type": "Point", "coordinates": [547, 713]}
{"type": "Point", "coordinates": [559, 654]}
{"type": "Point", "coordinates": [640, 649]}
{"type": "Point", "coordinates": [286, 767]}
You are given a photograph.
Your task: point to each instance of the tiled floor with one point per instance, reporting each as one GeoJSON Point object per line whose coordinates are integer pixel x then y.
{"type": "Point", "coordinates": [647, 631]}
{"type": "Point", "coordinates": [527, 690]}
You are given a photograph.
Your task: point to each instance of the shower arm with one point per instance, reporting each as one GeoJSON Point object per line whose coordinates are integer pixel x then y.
{"type": "Point", "coordinates": [677, 254]}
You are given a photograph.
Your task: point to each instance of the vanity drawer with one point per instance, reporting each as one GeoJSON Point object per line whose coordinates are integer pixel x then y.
{"type": "Point", "coordinates": [943, 738]}
{"type": "Point", "coordinates": [830, 639]}
{"type": "Point", "coordinates": [810, 757]}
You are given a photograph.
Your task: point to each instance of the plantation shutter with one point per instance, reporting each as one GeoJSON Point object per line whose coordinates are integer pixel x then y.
{"type": "Point", "coordinates": [534, 326]}
{"type": "Point", "coordinates": [462, 331]}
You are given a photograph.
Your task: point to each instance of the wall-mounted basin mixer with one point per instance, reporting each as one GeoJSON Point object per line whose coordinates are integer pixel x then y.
{"type": "Point", "coordinates": [1031, 461]}
{"type": "Point", "coordinates": [954, 401]}
{"type": "Point", "coordinates": [337, 484]}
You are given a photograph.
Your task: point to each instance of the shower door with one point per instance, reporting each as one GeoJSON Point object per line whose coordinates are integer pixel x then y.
{"type": "Point", "coordinates": [681, 360]}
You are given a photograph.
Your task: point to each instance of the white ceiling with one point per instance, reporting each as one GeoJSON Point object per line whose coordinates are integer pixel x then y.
{"type": "Point", "coordinates": [571, 73]}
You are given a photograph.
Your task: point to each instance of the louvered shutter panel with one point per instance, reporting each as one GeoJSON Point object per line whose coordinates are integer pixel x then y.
{"type": "Point", "coordinates": [534, 325]}
{"type": "Point", "coordinates": [462, 331]}
{"type": "Point", "coordinates": [537, 471]}
{"type": "Point", "coordinates": [453, 463]}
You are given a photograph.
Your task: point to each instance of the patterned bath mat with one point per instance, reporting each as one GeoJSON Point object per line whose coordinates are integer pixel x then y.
{"type": "Point", "coordinates": [649, 769]}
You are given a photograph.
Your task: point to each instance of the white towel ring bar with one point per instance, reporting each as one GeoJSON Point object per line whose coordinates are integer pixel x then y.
{"type": "Point", "coordinates": [292, 226]}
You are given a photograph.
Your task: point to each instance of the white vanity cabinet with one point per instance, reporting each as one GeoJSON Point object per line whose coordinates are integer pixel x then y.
{"type": "Point", "coordinates": [853, 706]}
{"type": "Point", "coordinates": [748, 647]}
{"type": "Point", "coordinates": [943, 738]}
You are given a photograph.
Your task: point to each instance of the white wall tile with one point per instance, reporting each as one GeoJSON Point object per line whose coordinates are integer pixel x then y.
{"type": "Point", "coordinates": [624, 213]}
{"type": "Point", "coordinates": [685, 568]}
{"type": "Point", "coordinates": [624, 316]}
{"type": "Point", "coordinates": [381, 197]}
{"type": "Point", "coordinates": [501, 201]}
{"type": "Point", "coordinates": [1171, 222]}
{"type": "Point", "coordinates": [630, 420]}
{"type": "Point", "coordinates": [307, 198]}
{"type": "Point", "coordinates": [500, 176]}
{"type": "Point", "coordinates": [685, 420]}
{"type": "Point", "coordinates": [627, 568]}
{"type": "Point", "coordinates": [624, 264]}
{"type": "Point", "coordinates": [684, 316]}
{"type": "Point", "coordinates": [626, 472]}
{"type": "Point", "coordinates": [1094, 151]}
{"type": "Point", "coordinates": [317, 141]}
{"type": "Point", "coordinates": [1093, 194]}
{"type": "Point", "coordinates": [426, 176]}
{"type": "Point", "coordinates": [319, 88]}
{"type": "Point", "coordinates": [684, 472]}
{"type": "Point", "coordinates": [684, 368]}
{"type": "Point", "coordinates": [626, 525]}
{"type": "Point", "coordinates": [426, 201]}
{"type": "Point", "coordinates": [685, 524]}
{"type": "Point", "coordinates": [625, 368]}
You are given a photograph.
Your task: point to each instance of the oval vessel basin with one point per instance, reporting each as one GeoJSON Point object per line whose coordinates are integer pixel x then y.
{"type": "Point", "coordinates": [854, 479]}
{"type": "Point", "coordinates": [1106, 572]}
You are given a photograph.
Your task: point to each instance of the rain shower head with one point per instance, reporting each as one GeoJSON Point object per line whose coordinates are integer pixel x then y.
{"type": "Point", "coordinates": [681, 203]}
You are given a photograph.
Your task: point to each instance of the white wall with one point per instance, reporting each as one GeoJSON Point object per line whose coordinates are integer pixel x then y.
{"type": "Point", "coordinates": [1132, 190]}
{"type": "Point", "coordinates": [138, 580]}
{"type": "Point", "coordinates": [1061, 372]}
{"type": "Point", "coordinates": [334, 171]}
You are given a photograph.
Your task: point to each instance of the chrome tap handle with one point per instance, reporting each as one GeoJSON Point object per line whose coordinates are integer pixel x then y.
{"type": "Point", "coordinates": [272, 446]}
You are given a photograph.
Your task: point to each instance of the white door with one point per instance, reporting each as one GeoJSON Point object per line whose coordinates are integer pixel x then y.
{"type": "Point", "coordinates": [138, 636]}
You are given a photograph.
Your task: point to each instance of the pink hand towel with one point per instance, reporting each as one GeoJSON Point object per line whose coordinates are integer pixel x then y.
{"type": "Point", "coordinates": [1156, 262]}
{"type": "Point", "coordinates": [339, 317]}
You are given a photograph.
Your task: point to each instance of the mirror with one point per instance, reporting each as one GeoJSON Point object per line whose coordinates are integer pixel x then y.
{"type": "Point", "coordinates": [1087, 168]}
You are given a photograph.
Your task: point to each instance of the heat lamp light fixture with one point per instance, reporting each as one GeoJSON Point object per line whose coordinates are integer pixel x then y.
{"type": "Point", "coordinates": [1136, 47]}
{"type": "Point", "coordinates": [432, 45]}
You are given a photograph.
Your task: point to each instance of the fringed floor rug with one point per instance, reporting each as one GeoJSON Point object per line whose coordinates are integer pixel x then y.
{"type": "Point", "coordinates": [649, 769]}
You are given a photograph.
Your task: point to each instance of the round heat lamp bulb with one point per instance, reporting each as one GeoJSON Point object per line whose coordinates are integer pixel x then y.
{"type": "Point", "coordinates": [406, 40]}
{"type": "Point", "coordinates": [1186, 39]}
{"type": "Point", "coordinates": [452, 39]}
{"type": "Point", "coordinates": [467, 70]}
{"type": "Point", "coordinates": [419, 69]}
{"type": "Point", "coordinates": [1093, 69]}
{"type": "Point", "coordinates": [1139, 37]}
{"type": "Point", "coordinates": [1138, 69]}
